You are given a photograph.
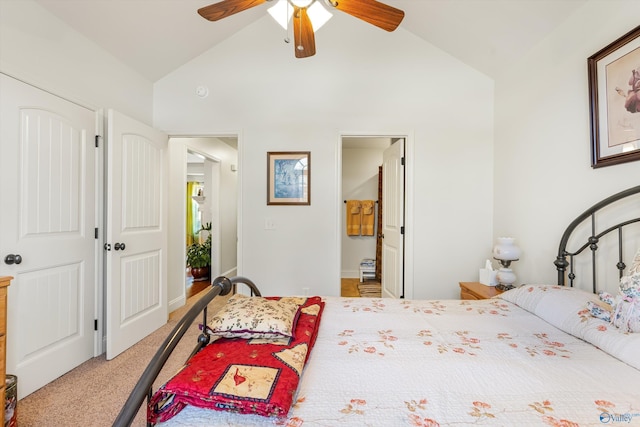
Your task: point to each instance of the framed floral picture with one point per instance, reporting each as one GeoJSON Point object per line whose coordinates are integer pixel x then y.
{"type": "Point", "coordinates": [288, 178]}
{"type": "Point", "coordinates": [614, 94]}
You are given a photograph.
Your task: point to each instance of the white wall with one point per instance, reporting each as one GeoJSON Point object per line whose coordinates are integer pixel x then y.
{"type": "Point", "coordinates": [36, 47]}
{"type": "Point", "coordinates": [225, 225]}
{"type": "Point", "coordinates": [543, 177]}
{"type": "Point", "coordinates": [360, 83]}
{"type": "Point", "coordinates": [277, 102]}
{"type": "Point", "coordinates": [359, 182]}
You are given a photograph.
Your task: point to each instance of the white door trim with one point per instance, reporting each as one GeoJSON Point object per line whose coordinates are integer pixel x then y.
{"type": "Point", "coordinates": [408, 194]}
{"type": "Point", "coordinates": [176, 274]}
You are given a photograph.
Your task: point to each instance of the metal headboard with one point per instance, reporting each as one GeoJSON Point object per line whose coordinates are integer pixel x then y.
{"type": "Point", "coordinates": [561, 261]}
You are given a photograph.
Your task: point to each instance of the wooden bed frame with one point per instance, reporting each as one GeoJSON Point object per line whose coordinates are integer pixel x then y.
{"type": "Point", "coordinates": [222, 286]}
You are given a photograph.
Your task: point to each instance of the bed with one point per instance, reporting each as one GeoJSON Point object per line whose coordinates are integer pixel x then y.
{"type": "Point", "coordinates": [534, 355]}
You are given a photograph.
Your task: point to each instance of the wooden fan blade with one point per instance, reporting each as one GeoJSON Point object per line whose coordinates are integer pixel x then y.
{"type": "Point", "coordinates": [379, 14]}
{"type": "Point", "coordinates": [303, 36]}
{"type": "Point", "coordinates": [225, 8]}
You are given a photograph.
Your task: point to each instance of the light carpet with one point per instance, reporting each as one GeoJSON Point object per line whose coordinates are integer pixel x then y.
{"type": "Point", "coordinates": [93, 393]}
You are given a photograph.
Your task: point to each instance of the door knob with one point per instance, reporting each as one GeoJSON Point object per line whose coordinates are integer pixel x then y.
{"type": "Point", "coordinates": [12, 259]}
{"type": "Point", "coordinates": [119, 246]}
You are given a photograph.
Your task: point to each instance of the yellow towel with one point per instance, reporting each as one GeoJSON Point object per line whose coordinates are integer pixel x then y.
{"type": "Point", "coordinates": [368, 217]}
{"type": "Point", "coordinates": [354, 216]}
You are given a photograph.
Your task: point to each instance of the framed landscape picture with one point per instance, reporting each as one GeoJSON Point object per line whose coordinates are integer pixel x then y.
{"type": "Point", "coordinates": [614, 94]}
{"type": "Point", "coordinates": [289, 178]}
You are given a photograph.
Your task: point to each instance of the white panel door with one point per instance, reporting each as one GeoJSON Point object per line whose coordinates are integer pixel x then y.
{"type": "Point", "coordinates": [136, 252]}
{"type": "Point", "coordinates": [393, 220]}
{"type": "Point", "coordinates": [48, 216]}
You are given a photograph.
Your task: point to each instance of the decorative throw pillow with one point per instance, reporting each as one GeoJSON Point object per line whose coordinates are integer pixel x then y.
{"type": "Point", "coordinates": [622, 310]}
{"type": "Point", "coordinates": [255, 317]}
{"type": "Point", "coordinates": [635, 265]}
{"type": "Point", "coordinates": [626, 315]}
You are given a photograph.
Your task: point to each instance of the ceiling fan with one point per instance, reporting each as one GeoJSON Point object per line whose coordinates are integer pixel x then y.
{"type": "Point", "coordinates": [379, 14]}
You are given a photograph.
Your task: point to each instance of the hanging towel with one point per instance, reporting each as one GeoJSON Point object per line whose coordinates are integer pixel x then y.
{"type": "Point", "coordinates": [353, 217]}
{"type": "Point", "coordinates": [368, 217]}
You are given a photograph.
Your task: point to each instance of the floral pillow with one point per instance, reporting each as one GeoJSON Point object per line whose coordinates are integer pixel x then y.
{"type": "Point", "coordinates": [622, 310]}
{"type": "Point", "coordinates": [255, 317]}
{"type": "Point", "coordinates": [635, 264]}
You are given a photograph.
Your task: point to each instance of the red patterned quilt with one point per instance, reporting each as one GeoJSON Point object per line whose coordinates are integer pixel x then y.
{"type": "Point", "coordinates": [254, 376]}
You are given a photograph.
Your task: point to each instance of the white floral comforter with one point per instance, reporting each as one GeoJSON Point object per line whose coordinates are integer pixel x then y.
{"type": "Point", "coordinates": [380, 362]}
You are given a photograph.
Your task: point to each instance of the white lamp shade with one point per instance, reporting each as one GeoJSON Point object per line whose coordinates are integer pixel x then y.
{"type": "Point", "coordinates": [506, 249]}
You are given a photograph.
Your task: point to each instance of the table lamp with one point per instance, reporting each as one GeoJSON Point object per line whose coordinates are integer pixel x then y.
{"type": "Point", "coordinates": [506, 251]}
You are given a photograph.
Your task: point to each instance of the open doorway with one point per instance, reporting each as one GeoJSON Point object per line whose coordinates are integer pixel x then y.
{"type": "Point", "coordinates": [363, 206]}
{"type": "Point", "coordinates": [210, 202]}
{"type": "Point", "coordinates": [199, 213]}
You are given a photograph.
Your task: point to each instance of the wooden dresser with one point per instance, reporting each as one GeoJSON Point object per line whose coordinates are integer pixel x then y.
{"type": "Point", "coordinates": [4, 284]}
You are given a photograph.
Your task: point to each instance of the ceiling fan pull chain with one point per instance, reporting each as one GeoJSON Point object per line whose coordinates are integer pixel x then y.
{"type": "Point", "coordinates": [287, 39]}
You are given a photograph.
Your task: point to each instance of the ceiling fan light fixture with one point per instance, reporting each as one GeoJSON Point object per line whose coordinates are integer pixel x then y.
{"type": "Point", "coordinates": [282, 12]}
{"type": "Point", "coordinates": [302, 3]}
{"type": "Point", "coordinates": [318, 15]}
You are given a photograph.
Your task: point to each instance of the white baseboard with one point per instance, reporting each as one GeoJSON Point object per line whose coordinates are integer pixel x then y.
{"type": "Point", "coordinates": [350, 274]}
{"type": "Point", "coordinates": [231, 273]}
{"type": "Point", "coordinates": [177, 303]}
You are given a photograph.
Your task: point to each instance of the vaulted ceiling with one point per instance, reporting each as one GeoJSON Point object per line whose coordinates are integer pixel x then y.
{"type": "Point", "coordinates": [155, 37]}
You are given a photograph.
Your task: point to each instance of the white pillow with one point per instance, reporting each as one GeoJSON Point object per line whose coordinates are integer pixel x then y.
{"type": "Point", "coordinates": [566, 309]}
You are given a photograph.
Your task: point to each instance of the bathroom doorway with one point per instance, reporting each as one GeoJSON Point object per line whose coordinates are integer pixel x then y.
{"type": "Point", "coordinates": [361, 243]}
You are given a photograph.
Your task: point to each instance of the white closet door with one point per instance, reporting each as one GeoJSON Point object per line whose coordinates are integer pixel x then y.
{"type": "Point", "coordinates": [47, 219]}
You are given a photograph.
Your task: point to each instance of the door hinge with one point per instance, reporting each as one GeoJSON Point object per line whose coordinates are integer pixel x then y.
{"type": "Point", "coordinates": [97, 140]}
{"type": "Point", "coordinates": [95, 324]}
{"type": "Point", "coordinates": [402, 161]}
{"type": "Point", "coordinates": [95, 232]}
{"type": "Point", "coordinates": [402, 230]}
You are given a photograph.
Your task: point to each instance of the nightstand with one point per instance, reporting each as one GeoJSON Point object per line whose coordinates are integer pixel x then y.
{"type": "Point", "coordinates": [476, 290]}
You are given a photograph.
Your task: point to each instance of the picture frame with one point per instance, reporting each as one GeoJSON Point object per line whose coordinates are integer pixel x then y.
{"type": "Point", "coordinates": [614, 98]}
{"type": "Point", "coordinates": [288, 178]}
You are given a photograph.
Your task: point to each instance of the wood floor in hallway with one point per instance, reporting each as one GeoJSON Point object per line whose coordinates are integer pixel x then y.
{"type": "Point", "coordinates": [349, 288]}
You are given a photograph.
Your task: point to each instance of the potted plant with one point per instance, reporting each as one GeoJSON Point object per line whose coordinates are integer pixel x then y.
{"type": "Point", "coordinates": [199, 256]}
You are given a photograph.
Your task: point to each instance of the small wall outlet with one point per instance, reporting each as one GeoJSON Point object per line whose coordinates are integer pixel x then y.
{"type": "Point", "coordinates": [269, 224]}
{"type": "Point", "coordinates": [305, 291]}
